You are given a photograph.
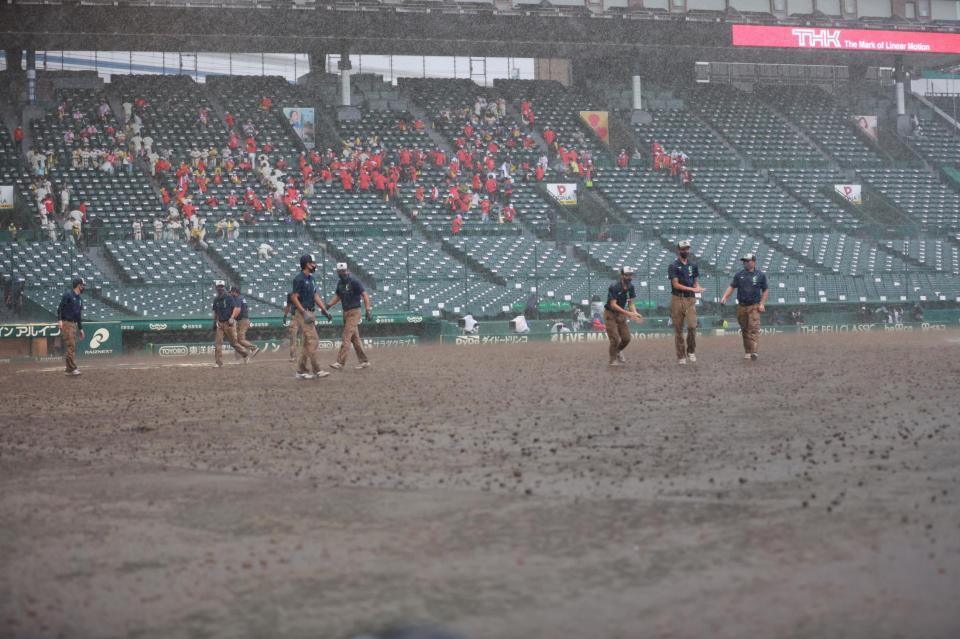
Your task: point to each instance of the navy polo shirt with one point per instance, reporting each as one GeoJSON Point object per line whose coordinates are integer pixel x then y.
{"type": "Point", "coordinates": [238, 300]}
{"type": "Point", "coordinates": [223, 306]}
{"type": "Point", "coordinates": [686, 274]}
{"type": "Point", "coordinates": [350, 291]}
{"type": "Point", "coordinates": [71, 308]}
{"type": "Point", "coordinates": [623, 295]}
{"type": "Point", "coordinates": [750, 286]}
{"type": "Point", "coordinates": [305, 287]}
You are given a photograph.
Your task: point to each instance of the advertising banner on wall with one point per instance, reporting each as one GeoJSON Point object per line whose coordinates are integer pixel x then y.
{"type": "Point", "coordinates": [851, 192]}
{"type": "Point", "coordinates": [6, 197]}
{"type": "Point", "coordinates": [302, 121]}
{"type": "Point", "coordinates": [99, 338]}
{"type": "Point", "coordinates": [598, 121]}
{"type": "Point", "coordinates": [873, 40]}
{"type": "Point", "coordinates": [868, 125]}
{"type": "Point", "coordinates": [565, 194]}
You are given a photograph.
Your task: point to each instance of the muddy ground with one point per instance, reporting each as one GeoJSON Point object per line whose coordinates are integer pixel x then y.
{"type": "Point", "coordinates": [500, 492]}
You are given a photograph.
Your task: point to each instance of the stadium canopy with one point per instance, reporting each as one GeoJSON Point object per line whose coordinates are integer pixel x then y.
{"type": "Point", "coordinates": [545, 29]}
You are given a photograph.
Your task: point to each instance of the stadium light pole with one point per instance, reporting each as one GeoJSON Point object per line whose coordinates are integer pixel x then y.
{"type": "Point", "coordinates": [646, 272]}
{"type": "Point", "coordinates": [323, 258]}
{"type": "Point", "coordinates": [464, 286]}
{"type": "Point", "coordinates": [536, 277]}
{"type": "Point", "coordinates": [716, 287]}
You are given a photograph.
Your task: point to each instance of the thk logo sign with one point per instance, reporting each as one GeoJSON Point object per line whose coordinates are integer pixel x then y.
{"type": "Point", "coordinates": [817, 38]}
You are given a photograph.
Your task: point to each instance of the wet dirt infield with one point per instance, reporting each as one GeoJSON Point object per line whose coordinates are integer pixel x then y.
{"type": "Point", "coordinates": [497, 491]}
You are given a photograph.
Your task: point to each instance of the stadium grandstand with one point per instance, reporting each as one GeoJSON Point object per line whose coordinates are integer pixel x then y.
{"type": "Point", "coordinates": [457, 442]}
{"type": "Point", "coordinates": [467, 179]}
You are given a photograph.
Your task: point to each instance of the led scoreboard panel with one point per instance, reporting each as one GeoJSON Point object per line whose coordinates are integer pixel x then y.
{"type": "Point", "coordinates": [748, 35]}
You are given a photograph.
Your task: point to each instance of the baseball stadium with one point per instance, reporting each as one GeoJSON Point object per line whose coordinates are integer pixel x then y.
{"type": "Point", "coordinates": [480, 319]}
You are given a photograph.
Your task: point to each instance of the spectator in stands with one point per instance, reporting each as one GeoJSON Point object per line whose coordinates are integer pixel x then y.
{"type": "Point", "coordinates": [916, 313]}
{"type": "Point", "coordinates": [157, 229]}
{"type": "Point", "coordinates": [457, 224]}
{"type": "Point", "coordinates": [64, 199]}
{"type": "Point", "coordinates": [579, 318]}
{"type": "Point", "coordinates": [530, 306]}
{"type": "Point", "coordinates": [883, 315]}
{"type": "Point", "coordinates": [265, 251]}
{"type": "Point", "coordinates": [559, 327]}
{"type": "Point", "coordinates": [519, 324]}
{"type": "Point", "coordinates": [470, 325]}
{"type": "Point", "coordinates": [137, 230]}
{"type": "Point", "coordinates": [596, 308]}
{"type": "Point", "coordinates": [68, 230]}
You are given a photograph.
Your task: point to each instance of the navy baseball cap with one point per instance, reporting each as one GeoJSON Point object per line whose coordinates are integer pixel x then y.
{"type": "Point", "coordinates": [305, 259]}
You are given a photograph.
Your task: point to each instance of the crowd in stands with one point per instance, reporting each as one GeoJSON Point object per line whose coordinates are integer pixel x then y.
{"type": "Point", "coordinates": [493, 155]}
{"type": "Point", "coordinates": [673, 163]}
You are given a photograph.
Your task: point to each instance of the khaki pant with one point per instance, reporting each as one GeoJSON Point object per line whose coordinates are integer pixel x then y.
{"type": "Point", "coordinates": [748, 316]}
{"type": "Point", "coordinates": [309, 355]}
{"type": "Point", "coordinates": [296, 328]}
{"type": "Point", "coordinates": [69, 336]}
{"type": "Point", "coordinates": [683, 310]}
{"type": "Point", "coordinates": [351, 335]}
{"type": "Point", "coordinates": [224, 329]}
{"type": "Point", "coordinates": [617, 332]}
{"type": "Point", "coordinates": [242, 327]}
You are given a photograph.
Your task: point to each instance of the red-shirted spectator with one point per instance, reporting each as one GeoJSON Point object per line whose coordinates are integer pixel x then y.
{"type": "Point", "coordinates": [457, 224]}
{"type": "Point", "coordinates": [230, 120]}
{"type": "Point", "coordinates": [623, 159]}
{"type": "Point", "coordinates": [549, 136]}
{"type": "Point", "coordinates": [266, 103]}
{"type": "Point", "coordinates": [490, 185]}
